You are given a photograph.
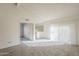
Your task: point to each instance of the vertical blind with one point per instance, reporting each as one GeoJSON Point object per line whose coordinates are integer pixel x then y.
{"type": "Point", "coordinates": [63, 32]}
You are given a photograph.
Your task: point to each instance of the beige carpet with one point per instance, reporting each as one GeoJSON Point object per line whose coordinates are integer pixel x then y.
{"type": "Point", "coordinates": [55, 50]}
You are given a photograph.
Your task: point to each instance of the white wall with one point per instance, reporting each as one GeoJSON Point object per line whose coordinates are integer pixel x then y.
{"type": "Point", "coordinates": [9, 32]}
{"type": "Point", "coordinates": [77, 31]}
{"type": "Point", "coordinates": [10, 19]}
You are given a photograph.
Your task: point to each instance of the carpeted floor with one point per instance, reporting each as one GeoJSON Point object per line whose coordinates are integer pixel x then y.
{"type": "Point", "coordinates": [55, 50]}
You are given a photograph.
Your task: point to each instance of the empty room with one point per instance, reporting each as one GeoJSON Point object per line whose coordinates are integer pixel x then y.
{"type": "Point", "coordinates": [39, 29]}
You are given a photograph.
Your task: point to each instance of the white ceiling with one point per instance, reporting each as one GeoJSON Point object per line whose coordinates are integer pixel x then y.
{"type": "Point", "coordinates": [43, 12]}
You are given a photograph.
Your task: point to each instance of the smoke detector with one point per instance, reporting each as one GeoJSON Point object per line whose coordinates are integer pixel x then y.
{"type": "Point", "coordinates": [26, 19]}
{"type": "Point", "coordinates": [17, 4]}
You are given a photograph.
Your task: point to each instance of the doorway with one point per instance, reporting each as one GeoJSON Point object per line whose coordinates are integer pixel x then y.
{"type": "Point", "coordinates": [26, 31]}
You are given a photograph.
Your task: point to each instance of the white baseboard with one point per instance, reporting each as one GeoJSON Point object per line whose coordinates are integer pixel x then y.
{"type": "Point", "coordinates": [44, 43]}
{"type": "Point", "coordinates": [9, 45]}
